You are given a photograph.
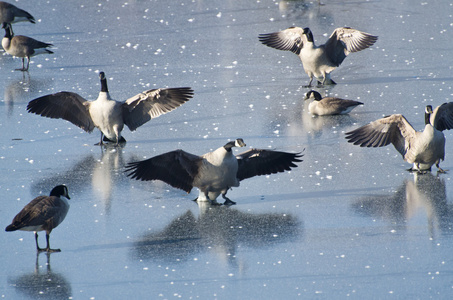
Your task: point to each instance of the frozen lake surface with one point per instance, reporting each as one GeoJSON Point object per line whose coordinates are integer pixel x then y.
{"type": "Point", "coordinates": [348, 222]}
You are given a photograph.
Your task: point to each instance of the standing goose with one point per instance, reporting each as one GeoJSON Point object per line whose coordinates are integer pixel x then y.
{"type": "Point", "coordinates": [107, 114]}
{"type": "Point", "coordinates": [329, 105]}
{"type": "Point", "coordinates": [319, 61]}
{"type": "Point", "coordinates": [43, 213]}
{"type": "Point", "coordinates": [23, 46]}
{"type": "Point", "coordinates": [422, 149]}
{"type": "Point", "coordinates": [12, 14]}
{"type": "Point", "coordinates": [212, 173]}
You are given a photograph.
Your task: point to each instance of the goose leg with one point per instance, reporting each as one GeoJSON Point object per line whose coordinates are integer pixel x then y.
{"type": "Point", "coordinates": [100, 142]}
{"type": "Point", "coordinates": [48, 245]}
{"type": "Point", "coordinates": [23, 65]}
{"type": "Point", "coordinates": [228, 201]}
{"type": "Point", "coordinates": [212, 202]}
{"type": "Point", "coordinates": [28, 63]}
{"type": "Point", "coordinates": [37, 245]}
{"type": "Point", "coordinates": [439, 169]}
{"type": "Point", "coordinates": [309, 83]}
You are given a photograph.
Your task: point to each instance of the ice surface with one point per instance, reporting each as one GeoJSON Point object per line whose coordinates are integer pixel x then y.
{"type": "Point", "coordinates": [348, 222]}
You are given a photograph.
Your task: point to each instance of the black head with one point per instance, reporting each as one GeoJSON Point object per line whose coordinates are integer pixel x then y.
{"type": "Point", "coordinates": [235, 143]}
{"type": "Point", "coordinates": [309, 34]}
{"type": "Point", "coordinates": [428, 113]}
{"type": "Point", "coordinates": [60, 190]}
{"type": "Point", "coordinates": [315, 95]}
{"type": "Point", "coordinates": [103, 79]}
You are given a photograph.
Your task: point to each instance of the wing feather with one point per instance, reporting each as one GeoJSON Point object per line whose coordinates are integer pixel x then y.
{"type": "Point", "coordinates": [288, 40]}
{"type": "Point", "coordinates": [152, 103]}
{"type": "Point", "coordinates": [38, 212]}
{"type": "Point", "coordinates": [393, 129]}
{"type": "Point", "coordinates": [177, 168]}
{"type": "Point", "coordinates": [442, 117]}
{"type": "Point", "coordinates": [256, 162]}
{"type": "Point", "coordinates": [63, 105]}
{"type": "Point", "coordinates": [345, 40]}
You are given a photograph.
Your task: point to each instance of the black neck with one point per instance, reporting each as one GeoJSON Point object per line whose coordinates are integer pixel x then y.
{"type": "Point", "coordinates": [104, 87]}
{"type": "Point", "coordinates": [309, 34]}
{"type": "Point", "coordinates": [229, 145]}
{"type": "Point", "coordinates": [427, 116]}
{"type": "Point", "coordinates": [8, 30]}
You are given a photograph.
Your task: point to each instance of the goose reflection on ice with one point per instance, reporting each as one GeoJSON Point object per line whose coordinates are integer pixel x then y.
{"type": "Point", "coordinates": [425, 193]}
{"type": "Point", "coordinates": [218, 229]}
{"type": "Point", "coordinates": [103, 174]}
{"type": "Point", "coordinates": [42, 285]}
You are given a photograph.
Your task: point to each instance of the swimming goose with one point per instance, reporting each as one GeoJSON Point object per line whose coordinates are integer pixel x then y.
{"type": "Point", "coordinates": [214, 172]}
{"type": "Point", "coordinates": [109, 115]}
{"type": "Point", "coordinates": [422, 149]}
{"type": "Point", "coordinates": [329, 105]}
{"type": "Point", "coordinates": [43, 213]}
{"type": "Point", "coordinates": [12, 14]}
{"type": "Point", "coordinates": [319, 61]}
{"type": "Point", "coordinates": [22, 46]}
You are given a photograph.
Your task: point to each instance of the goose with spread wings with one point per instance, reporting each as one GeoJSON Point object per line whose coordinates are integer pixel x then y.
{"type": "Point", "coordinates": [44, 213]}
{"type": "Point", "coordinates": [319, 61]}
{"type": "Point", "coordinates": [109, 115]}
{"type": "Point", "coordinates": [420, 148]}
{"type": "Point", "coordinates": [213, 173]}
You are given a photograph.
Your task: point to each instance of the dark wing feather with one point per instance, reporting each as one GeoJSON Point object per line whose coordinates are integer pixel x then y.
{"type": "Point", "coordinates": [255, 162]}
{"type": "Point", "coordinates": [63, 105]}
{"type": "Point", "coordinates": [289, 39]}
{"type": "Point", "coordinates": [152, 103]}
{"type": "Point", "coordinates": [393, 129]}
{"type": "Point", "coordinates": [345, 40]}
{"type": "Point", "coordinates": [39, 211]}
{"type": "Point", "coordinates": [442, 117]}
{"type": "Point", "coordinates": [177, 168]}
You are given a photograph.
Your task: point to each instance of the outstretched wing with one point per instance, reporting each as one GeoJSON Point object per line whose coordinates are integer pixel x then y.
{"type": "Point", "coordinates": [64, 105]}
{"type": "Point", "coordinates": [393, 129]}
{"type": "Point", "coordinates": [442, 117]}
{"type": "Point", "coordinates": [177, 168]}
{"type": "Point", "coordinates": [289, 39]}
{"type": "Point", "coordinates": [150, 104]}
{"type": "Point", "coordinates": [345, 40]}
{"type": "Point", "coordinates": [255, 162]}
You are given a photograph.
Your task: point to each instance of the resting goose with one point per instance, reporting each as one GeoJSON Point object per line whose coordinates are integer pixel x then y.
{"type": "Point", "coordinates": [12, 14]}
{"type": "Point", "coordinates": [109, 115]}
{"type": "Point", "coordinates": [43, 213]}
{"type": "Point", "coordinates": [422, 149]}
{"type": "Point", "coordinates": [319, 61]}
{"type": "Point", "coordinates": [329, 105]}
{"type": "Point", "coordinates": [214, 172]}
{"type": "Point", "coordinates": [22, 46]}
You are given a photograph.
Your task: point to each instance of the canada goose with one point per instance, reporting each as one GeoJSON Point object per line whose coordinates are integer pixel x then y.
{"type": "Point", "coordinates": [107, 114]}
{"type": "Point", "coordinates": [329, 105]}
{"type": "Point", "coordinates": [214, 172]}
{"type": "Point", "coordinates": [12, 14]}
{"type": "Point", "coordinates": [43, 213]}
{"type": "Point", "coordinates": [422, 149]}
{"type": "Point", "coordinates": [319, 61]}
{"type": "Point", "coordinates": [22, 46]}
